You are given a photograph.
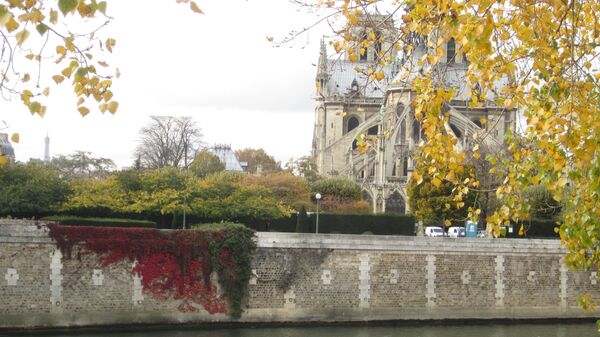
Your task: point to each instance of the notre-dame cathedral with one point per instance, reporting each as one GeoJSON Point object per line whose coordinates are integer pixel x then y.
{"type": "Point", "coordinates": [349, 104]}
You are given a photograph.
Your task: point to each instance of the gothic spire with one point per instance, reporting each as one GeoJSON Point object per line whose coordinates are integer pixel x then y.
{"type": "Point", "coordinates": [322, 72]}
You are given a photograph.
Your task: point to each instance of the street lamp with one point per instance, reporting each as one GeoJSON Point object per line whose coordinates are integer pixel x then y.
{"type": "Point", "coordinates": [318, 197]}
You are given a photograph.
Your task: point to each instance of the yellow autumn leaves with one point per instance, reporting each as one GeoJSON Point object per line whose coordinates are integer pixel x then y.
{"type": "Point", "coordinates": [74, 52]}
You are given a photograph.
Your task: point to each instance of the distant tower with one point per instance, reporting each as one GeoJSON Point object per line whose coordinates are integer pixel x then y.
{"type": "Point", "coordinates": [47, 148]}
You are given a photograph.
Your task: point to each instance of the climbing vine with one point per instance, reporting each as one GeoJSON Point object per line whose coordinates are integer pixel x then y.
{"type": "Point", "coordinates": [173, 265]}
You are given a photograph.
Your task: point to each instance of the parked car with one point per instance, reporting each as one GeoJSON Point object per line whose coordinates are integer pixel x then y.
{"type": "Point", "coordinates": [455, 232]}
{"type": "Point", "coordinates": [434, 231]}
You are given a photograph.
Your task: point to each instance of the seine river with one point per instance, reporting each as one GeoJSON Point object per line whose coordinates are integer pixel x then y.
{"type": "Point", "coordinates": [438, 330]}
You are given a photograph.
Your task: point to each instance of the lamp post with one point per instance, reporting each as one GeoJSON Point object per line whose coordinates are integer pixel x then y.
{"type": "Point", "coordinates": [318, 197]}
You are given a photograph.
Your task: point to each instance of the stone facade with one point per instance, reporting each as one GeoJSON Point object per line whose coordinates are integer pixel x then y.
{"type": "Point", "coordinates": [349, 104]}
{"type": "Point", "coordinates": [305, 277]}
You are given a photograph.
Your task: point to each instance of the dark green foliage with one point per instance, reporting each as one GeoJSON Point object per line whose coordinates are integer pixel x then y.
{"type": "Point", "coordinates": [206, 163]}
{"type": "Point", "coordinates": [429, 203]}
{"type": "Point", "coordinates": [302, 224]}
{"type": "Point", "coordinates": [31, 190]}
{"type": "Point", "coordinates": [101, 222]}
{"type": "Point", "coordinates": [538, 228]}
{"type": "Point", "coordinates": [380, 224]}
{"type": "Point", "coordinates": [541, 203]}
{"type": "Point", "coordinates": [238, 241]}
{"type": "Point", "coordinates": [339, 187]}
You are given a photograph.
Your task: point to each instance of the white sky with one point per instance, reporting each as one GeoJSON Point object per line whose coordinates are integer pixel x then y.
{"type": "Point", "coordinates": [218, 68]}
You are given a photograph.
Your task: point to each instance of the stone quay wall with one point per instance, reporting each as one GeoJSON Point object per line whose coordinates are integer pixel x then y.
{"type": "Point", "coordinates": [304, 278]}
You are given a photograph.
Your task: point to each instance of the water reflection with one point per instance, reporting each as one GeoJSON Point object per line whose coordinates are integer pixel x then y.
{"type": "Point", "coordinates": [491, 330]}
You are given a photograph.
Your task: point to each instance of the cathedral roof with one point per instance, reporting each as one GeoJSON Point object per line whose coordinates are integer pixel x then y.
{"type": "Point", "coordinates": [6, 148]}
{"type": "Point", "coordinates": [343, 73]}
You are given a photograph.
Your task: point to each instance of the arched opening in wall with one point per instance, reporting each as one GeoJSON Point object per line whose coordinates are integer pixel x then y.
{"type": "Point", "coordinates": [405, 167]}
{"type": "Point", "coordinates": [451, 51]}
{"type": "Point", "coordinates": [372, 171]}
{"type": "Point", "coordinates": [477, 122]}
{"type": "Point", "coordinates": [416, 131]}
{"type": "Point", "coordinates": [354, 145]}
{"type": "Point", "coordinates": [377, 45]}
{"type": "Point", "coordinates": [373, 130]}
{"type": "Point", "coordinates": [367, 197]}
{"type": "Point", "coordinates": [399, 109]}
{"type": "Point", "coordinates": [363, 52]}
{"type": "Point", "coordinates": [456, 131]}
{"type": "Point", "coordinates": [403, 131]}
{"type": "Point", "coordinates": [352, 123]}
{"type": "Point", "coordinates": [395, 203]}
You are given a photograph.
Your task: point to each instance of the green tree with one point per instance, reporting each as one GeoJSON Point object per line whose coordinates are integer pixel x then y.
{"type": "Point", "coordinates": [206, 163]}
{"type": "Point", "coordinates": [302, 222]}
{"type": "Point", "coordinates": [82, 164]}
{"type": "Point", "coordinates": [97, 197]}
{"type": "Point", "coordinates": [290, 190]}
{"type": "Point", "coordinates": [31, 189]}
{"type": "Point", "coordinates": [258, 160]}
{"type": "Point", "coordinates": [227, 196]}
{"type": "Point", "coordinates": [305, 168]}
{"type": "Point", "coordinates": [340, 195]}
{"type": "Point", "coordinates": [339, 187]}
{"type": "Point", "coordinates": [434, 205]}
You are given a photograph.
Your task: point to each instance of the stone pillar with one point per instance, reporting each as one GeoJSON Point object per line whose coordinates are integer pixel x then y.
{"type": "Point", "coordinates": [563, 285]}
{"type": "Point", "coordinates": [430, 276]}
{"type": "Point", "coordinates": [364, 281]}
{"type": "Point", "coordinates": [499, 281]}
{"type": "Point", "coordinates": [56, 280]}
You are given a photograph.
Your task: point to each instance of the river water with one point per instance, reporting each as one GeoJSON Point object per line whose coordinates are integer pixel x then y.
{"type": "Point", "coordinates": [436, 330]}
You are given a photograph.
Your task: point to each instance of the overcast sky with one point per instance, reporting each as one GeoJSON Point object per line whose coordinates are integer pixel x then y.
{"type": "Point", "coordinates": [217, 68]}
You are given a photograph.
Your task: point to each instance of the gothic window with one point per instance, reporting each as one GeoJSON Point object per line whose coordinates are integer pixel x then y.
{"type": "Point", "coordinates": [451, 51]}
{"type": "Point", "coordinates": [477, 122]}
{"type": "Point", "coordinates": [354, 145]}
{"type": "Point", "coordinates": [456, 131]}
{"type": "Point", "coordinates": [416, 134]}
{"type": "Point", "coordinates": [403, 131]}
{"type": "Point", "coordinates": [405, 167]}
{"type": "Point", "coordinates": [399, 109]}
{"type": "Point", "coordinates": [367, 197]}
{"type": "Point", "coordinates": [363, 56]}
{"type": "Point", "coordinates": [373, 131]}
{"type": "Point", "coordinates": [395, 204]}
{"type": "Point", "coordinates": [352, 123]}
{"type": "Point", "coordinates": [377, 44]}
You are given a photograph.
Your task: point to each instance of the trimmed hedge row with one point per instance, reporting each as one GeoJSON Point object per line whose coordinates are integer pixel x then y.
{"type": "Point", "coordinates": [384, 224]}
{"type": "Point", "coordinates": [101, 222]}
{"type": "Point", "coordinates": [539, 228]}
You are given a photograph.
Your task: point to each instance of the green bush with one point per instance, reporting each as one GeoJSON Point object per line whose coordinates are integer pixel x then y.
{"type": "Point", "coordinates": [100, 222]}
{"type": "Point", "coordinates": [339, 187]}
{"type": "Point", "coordinates": [302, 224]}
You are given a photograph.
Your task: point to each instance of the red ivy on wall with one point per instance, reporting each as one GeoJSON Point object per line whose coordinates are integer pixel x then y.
{"type": "Point", "coordinates": [173, 265]}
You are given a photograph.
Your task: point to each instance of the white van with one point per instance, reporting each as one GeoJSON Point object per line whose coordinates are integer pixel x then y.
{"type": "Point", "coordinates": [434, 231]}
{"type": "Point", "coordinates": [456, 232]}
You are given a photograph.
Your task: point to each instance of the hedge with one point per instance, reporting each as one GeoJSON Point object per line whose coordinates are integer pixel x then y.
{"type": "Point", "coordinates": [101, 222]}
{"type": "Point", "coordinates": [380, 224]}
{"type": "Point", "coordinates": [538, 228]}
